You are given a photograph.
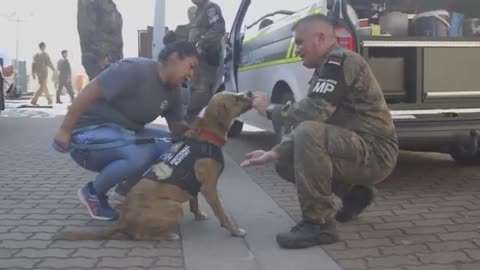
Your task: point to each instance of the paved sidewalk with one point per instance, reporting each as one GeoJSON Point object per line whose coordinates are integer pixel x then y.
{"type": "Point", "coordinates": [426, 215]}
{"type": "Point", "coordinates": [38, 198]}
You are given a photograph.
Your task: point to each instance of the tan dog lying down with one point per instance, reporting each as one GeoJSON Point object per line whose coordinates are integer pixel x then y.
{"type": "Point", "coordinates": [153, 208]}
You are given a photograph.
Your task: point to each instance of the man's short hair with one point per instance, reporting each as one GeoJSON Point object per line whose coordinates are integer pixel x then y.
{"type": "Point", "coordinates": [41, 45]}
{"type": "Point", "coordinates": [64, 52]}
{"type": "Point", "coordinates": [182, 48]}
{"type": "Point", "coordinates": [313, 18]}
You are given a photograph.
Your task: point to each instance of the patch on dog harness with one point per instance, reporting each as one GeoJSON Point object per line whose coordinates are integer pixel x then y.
{"type": "Point", "coordinates": [176, 166]}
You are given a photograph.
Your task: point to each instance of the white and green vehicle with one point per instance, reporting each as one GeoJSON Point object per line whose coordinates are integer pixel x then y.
{"type": "Point", "coordinates": [431, 83]}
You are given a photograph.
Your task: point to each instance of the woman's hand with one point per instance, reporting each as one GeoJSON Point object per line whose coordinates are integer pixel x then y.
{"type": "Point", "coordinates": [62, 138]}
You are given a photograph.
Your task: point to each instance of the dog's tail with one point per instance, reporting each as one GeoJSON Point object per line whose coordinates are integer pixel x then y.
{"type": "Point", "coordinates": [101, 234]}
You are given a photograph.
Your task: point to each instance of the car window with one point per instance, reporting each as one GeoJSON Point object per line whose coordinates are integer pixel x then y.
{"type": "Point", "coordinates": [259, 8]}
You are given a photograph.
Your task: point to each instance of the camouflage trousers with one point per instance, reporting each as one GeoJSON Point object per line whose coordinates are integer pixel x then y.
{"type": "Point", "coordinates": [68, 86]}
{"type": "Point", "coordinates": [201, 89]}
{"type": "Point", "coordinates": [327, 160]}
{"type": "Point", "coordinates": [43, 89]}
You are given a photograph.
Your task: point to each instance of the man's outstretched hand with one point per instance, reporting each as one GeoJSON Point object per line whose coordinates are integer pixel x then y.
{"type": "Point", "coordinates": [259, 157]}
{"type": "Point", "coordinates": [260, 103]}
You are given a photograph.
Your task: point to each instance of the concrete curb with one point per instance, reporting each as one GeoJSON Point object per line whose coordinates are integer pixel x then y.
{"type": "Point", "coordinates": [208, 246]}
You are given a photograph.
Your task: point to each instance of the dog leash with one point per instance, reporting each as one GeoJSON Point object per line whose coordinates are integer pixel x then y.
{"type": "Point", "coordinates": [90, 143]}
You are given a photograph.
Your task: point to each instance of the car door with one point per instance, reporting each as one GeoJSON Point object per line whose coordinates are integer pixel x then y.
{"type": "Point", "coordinates": [337, 11]}
{"type": "Point", "coordinates": [233, 47]}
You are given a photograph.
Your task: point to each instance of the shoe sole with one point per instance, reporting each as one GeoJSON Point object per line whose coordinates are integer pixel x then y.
{"type": "Point", "coordinates": [84, 202]}
{"type": "Point", "coordinates": [307, 244]}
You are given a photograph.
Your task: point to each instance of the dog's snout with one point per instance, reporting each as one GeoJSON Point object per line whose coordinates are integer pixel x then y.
{"type": "Point", "coordinates": [249, 94]}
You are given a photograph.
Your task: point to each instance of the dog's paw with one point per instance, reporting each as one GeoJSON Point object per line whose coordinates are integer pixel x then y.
{"type": "Point", "coordinates": [238, 232]}
{"type": "Point", "coordinates": [201, 216]}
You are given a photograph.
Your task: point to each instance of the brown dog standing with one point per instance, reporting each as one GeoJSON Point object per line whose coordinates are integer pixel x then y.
{"type": "Point", "coordinates": [153, 208]}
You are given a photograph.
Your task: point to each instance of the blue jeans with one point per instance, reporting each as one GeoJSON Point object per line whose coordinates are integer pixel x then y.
{"type": "Point", "coordinates": [117, 164]}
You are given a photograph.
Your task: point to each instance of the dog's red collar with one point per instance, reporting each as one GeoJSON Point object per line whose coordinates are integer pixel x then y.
{"type": "Point", "coordinates": [210, 136]}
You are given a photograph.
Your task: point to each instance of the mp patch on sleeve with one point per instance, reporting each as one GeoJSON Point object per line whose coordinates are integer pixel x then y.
{"type": "Point", "coordinates": [327, 82]}
{"type": "Point", "coordinates": [213, 15]}
{"type": "Point", "coordinates": [324, 86]}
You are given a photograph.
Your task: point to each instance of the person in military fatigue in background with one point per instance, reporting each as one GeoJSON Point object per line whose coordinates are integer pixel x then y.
{"type": "Point", "coordinates": [182, 31]}
{"type": "Point", "coordinates": [64, 77]}
{"type": "Point", "coordinates": [40, 65]}
{"type": "Point", "coordinates": [207, 32]}
{"type": "Point", "coordinates": [344, 138]}
{"type": "Point", "coordinates": [100, 30]}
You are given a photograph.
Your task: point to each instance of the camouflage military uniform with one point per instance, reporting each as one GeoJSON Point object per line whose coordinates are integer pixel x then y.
{"type": "Point", "coordinates": [41, 63]}
{"type": "Point", "coordinates": [64, 78]}
{"type": "Point", "coordinates": [207, 31]}
{"type": "Point", "coordinates": [343, 136]}
{"type": "Point", "coordinates": [182, 31]}
{"type": "Point", "coordinates": [100, 30]}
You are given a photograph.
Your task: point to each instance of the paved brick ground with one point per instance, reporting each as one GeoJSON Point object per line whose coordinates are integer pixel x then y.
{"type": "Point", "coordinates": [426, 216]}
{"type": "Point", "coordinates": [38, 198]}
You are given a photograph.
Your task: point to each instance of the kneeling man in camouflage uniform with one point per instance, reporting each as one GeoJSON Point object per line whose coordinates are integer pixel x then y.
{"type": "Point", "coordinates": [343, 140]}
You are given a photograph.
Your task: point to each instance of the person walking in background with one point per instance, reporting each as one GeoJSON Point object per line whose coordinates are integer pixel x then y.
{"type": "Point", "coordinates": [64, 77]}
{"type": "Point", "coordinates": [41, 64]}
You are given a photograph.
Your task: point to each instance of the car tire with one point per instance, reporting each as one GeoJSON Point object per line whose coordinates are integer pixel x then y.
{"type": "Point", "coordinates": [280, 130]}
{"type": "Point", "coordinates": [464, 157]}
{"type": "Point", "coordinates": [235, 129]}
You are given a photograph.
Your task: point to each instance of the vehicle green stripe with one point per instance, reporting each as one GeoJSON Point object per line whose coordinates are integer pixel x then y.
{"type": "Point", "coordinates": [257, 36]}
{"type": "Point", "coordinates": [290, 48]}
{"type": "Point", "coordinates": [271, 63]}
{"type": "Point", "coordinates": [290, 56]}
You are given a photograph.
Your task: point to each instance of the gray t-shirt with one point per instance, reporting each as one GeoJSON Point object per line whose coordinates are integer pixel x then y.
{"type": "Point", "coordinates": [133, 96]}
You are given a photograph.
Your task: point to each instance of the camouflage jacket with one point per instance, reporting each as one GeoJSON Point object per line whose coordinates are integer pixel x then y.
{"type": "Point", "coordinates": [344, 92]}
{"type": "Point", "coordinates": [41, 63]}
{"type": "Point", "coordinates": [64, 70]}
{"type": "Point", "coordinates": [208, 30]}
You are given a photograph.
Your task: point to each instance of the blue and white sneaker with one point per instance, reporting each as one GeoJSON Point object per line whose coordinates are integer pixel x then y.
{"type": "Point", "coordinates": [97, 205]}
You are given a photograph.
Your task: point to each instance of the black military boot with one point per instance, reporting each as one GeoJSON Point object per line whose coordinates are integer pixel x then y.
{"type": "Point", "coordinates": [354, 202]}
{"type": "Point", "coordinates": [307, 234]}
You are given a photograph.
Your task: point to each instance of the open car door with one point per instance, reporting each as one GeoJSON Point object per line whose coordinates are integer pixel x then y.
{"type": "Point", "coordinates": [337, 11]}
{"type": "Point", "coordinates": [233, 47]}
